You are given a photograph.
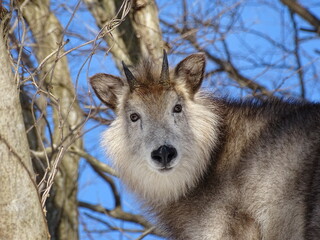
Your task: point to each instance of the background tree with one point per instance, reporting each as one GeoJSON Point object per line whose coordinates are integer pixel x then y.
{"type": "Point", "coordinates": [254, 48]}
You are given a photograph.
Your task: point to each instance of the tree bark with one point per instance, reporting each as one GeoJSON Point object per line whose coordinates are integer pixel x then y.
{"type": "Point", "coordinates": [20, 208]}
{"type": "Point", "coordinates": [139, 35]}
{"type": "Point", "coordinates": [67, 116]}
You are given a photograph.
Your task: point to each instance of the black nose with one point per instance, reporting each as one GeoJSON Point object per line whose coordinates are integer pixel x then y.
{"type": "Point", "coordinates": [164, 154]}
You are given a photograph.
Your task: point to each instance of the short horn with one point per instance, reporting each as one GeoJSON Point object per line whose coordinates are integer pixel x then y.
{"type": "Point", "coordinates": [130, 78]}
{"type": "Point", "coordinates": [164, 76]}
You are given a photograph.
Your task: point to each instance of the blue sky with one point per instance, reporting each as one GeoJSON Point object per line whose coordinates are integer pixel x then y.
{"type": "Point", "coordinates": [256, 16]}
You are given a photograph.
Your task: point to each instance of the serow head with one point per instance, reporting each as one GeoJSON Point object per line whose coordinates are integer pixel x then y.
{"type": "Point", "coordinates": [154, 107]}
{"type": "Point", "coordinates": [161, 138]}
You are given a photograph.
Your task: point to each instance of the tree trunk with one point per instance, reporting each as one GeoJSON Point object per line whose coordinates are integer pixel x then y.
{"type": "Point", "coordinates": [20, 208]}
{"type": "Point", "coordinates": [139, 35]}
{"type": "Point", "coordinates": [67, 116]}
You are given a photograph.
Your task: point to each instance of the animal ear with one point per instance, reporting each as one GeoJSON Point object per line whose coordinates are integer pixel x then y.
{"type": "Point", "coordinates": [107, 88]}
{"type": "Point", "coordinates": [191, 70]}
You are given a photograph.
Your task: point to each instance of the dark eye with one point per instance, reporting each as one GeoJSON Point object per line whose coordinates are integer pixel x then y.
{"type": "Point", "coordinates": [177, 108]}
{"type": "Point", "coordinates": [134, 117]}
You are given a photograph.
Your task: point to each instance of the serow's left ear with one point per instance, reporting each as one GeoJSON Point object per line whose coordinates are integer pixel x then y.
{"type": "Point", "coordinates": [191, 70]}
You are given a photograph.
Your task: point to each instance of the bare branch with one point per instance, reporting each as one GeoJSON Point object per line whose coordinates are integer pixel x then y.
{"type": "Point", "coordinates": [113, 187]}
{"type": "Point", "coordinates": [303, 12]}
{"type": "Point", "coordinates": [118, 213]}
{"type": "Point", "coordinates": [112, 228]}
{"type": "Point", "coordinates": [93, 161]}
{"type": "Point", "coordinates": [297, 55]}
{"type": "Point", "coordinates": [146, 233]}
{"type": "Point", "coordinates": [227, 66]}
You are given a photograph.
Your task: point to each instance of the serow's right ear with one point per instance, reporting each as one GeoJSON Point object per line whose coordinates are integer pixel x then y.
{"type": "Point", "coordinates": [107, 88]}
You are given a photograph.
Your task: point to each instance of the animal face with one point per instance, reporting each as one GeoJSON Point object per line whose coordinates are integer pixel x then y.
{"type": "Point", "coordinates": [164, 131]}
{"type": "Point", "coordinates": [156, 124]}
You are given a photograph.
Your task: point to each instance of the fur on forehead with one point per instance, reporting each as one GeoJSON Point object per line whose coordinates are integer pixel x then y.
{"type": "Point", "coordinates": [147, 75]}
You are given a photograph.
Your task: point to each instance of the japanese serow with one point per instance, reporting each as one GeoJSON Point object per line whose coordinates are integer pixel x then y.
{"type": "Point", "coordinates": [208, 167]}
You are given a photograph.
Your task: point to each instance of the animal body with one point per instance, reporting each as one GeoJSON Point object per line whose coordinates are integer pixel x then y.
{"type": "Point", "coordinates": [210, 168]}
